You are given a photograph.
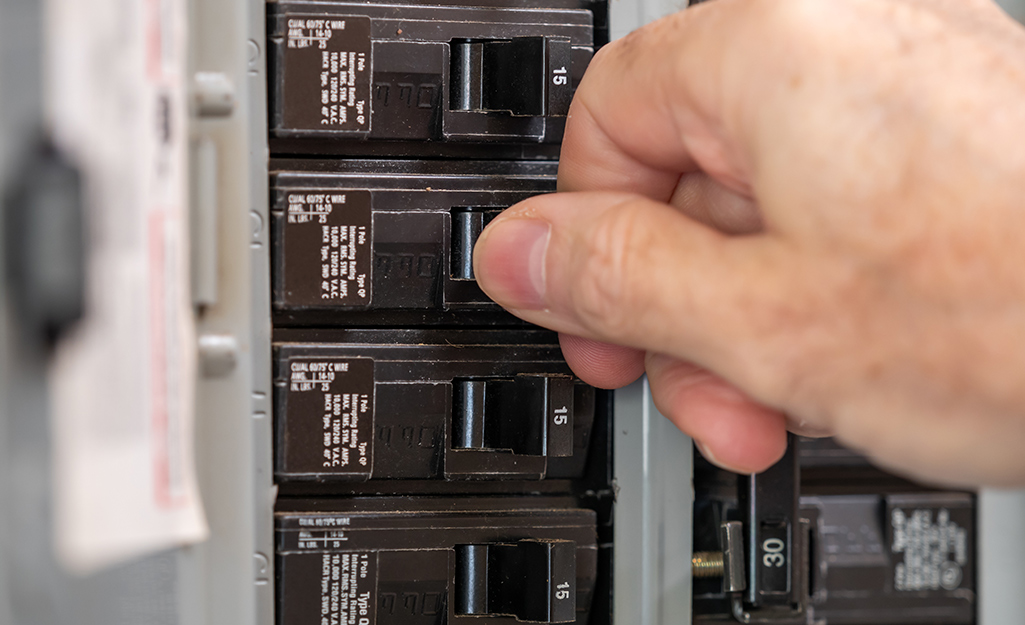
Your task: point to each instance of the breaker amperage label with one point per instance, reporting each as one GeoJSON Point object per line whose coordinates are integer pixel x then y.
{"type": "Point", "coordinates": [328, 65]}
{"type": "Point", "coordinates": [330, 415]}
{"type": "Point", "coordinates": [328, 239]}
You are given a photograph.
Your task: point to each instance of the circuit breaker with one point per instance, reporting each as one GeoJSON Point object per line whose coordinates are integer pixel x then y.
{"type": "Point", "coordinates": [430, 404]}
{"type": "Point", "coordinates": [420, 72]}
{"type": "Point", "coordinates": [389, 241]}
{"type": "Point", "coordinates": [825, 537]}
{"type": "Point", "coordinates": [465, 560]}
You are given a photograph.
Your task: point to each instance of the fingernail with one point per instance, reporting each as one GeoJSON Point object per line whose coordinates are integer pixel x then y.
{"type": "Point", "coordinates": [709, 456]}
{"type": "Point", "coordinates": [509, 262]}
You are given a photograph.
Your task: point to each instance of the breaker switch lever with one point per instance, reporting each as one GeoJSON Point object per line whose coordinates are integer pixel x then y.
{"type": "Point", "coordinates": [524, 76]}
{"type": "Point", "coordinates": [776, 550]}
{"type": "Point", "coordinates": [529, 415]}
{"type": "Point", "coordinates": [467, 224]}
{"type": "Point", "coordinates": [533, 580]}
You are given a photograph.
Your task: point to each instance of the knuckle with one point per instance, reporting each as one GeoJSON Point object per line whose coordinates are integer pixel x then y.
{"type": "Point", "coordinates": [605, 292]}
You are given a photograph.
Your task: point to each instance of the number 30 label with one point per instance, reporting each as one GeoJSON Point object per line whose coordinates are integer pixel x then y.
{"type": "Point", "coordinates": [773, 548]}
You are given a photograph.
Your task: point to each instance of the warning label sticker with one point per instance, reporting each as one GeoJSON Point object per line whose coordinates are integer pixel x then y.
{"type": "Point", "coordinates": [330, 414]}
{"type": "Point", "coordinates": [327, 68]}
{"type": "Point", "coordinates": [935, 549]}
{"type": "Point", "coordinates": [327, 248]}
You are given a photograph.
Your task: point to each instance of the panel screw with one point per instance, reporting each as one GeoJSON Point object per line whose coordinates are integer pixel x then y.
{"type": "Point", "coordinates": [707, 564]}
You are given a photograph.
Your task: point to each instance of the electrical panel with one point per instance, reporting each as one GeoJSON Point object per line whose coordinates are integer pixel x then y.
{"type": "Point", "coordinates": [435, 459]}
{"type": "Point", "coordinates": [376, 442]}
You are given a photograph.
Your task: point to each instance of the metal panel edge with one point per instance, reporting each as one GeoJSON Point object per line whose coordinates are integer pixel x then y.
{"type": "Point", "coordinates": [259, 247]}
{"type": "Point", "coordinates": [229, 578]}
{"type": "Point", "coordinates": [654, 470]}
{"type": "Point", "coordinates": [1001, 549]}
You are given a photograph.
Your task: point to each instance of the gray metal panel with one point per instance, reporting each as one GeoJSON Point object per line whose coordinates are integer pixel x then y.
{"type": "Point", "coordinates": [1001, 576]}
{"type": "Point", "coordinates": [260, 332]}
{"type": "Point", "coordinates": [9, 76]}
{"type": "Point", "coordinates": [1016, 8]}
{"type": "Point", "coordinates": [229, 578]}
{"type": "Point", "coordinates": [20, 63]}
{"type": "Point", "coordinates": [628, 15]}
{"type": "Point", "coordinates": [26, 569]}
{"type": "Point", "coordinates": [654, 471]}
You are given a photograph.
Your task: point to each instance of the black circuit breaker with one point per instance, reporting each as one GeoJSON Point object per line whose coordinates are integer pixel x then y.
{"type": "Point", "coordinates": [355, 405]}
{"type": "Point", "coordinates": [825, 537]}
{"type": "Point", "coordinates": [389, 242]}
{"type": "Point", "coordinates": [483, 561]}
{"type": "Point", "coordinates": [425, 72]}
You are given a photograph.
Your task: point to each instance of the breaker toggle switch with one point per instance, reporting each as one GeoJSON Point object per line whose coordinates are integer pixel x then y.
{"type": "Point", "coordinates": [529, 415]}
{"type": "Point", "coordinates": [524, 76]}
{"type": "Point", "coordinates": [467, 224]}
{"type": "Point", "coordinates": [533, 580]}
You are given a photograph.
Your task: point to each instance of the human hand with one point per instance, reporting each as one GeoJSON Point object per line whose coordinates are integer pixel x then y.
{"type": "Point", "coordinates": [796, 207]}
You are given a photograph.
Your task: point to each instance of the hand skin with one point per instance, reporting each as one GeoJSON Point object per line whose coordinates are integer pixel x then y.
{"type": "Point", "coordinates": [807, 208]}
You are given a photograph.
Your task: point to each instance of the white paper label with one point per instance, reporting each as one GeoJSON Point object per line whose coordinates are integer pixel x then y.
{"type": "Point", "coordinates": [123, 382]}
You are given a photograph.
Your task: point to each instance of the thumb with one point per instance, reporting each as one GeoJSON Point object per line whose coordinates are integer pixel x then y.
{"type": "Point", "coordinates": [629, 270]}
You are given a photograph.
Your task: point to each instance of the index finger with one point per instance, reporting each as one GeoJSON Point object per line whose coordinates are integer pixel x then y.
{"type": "Point", "coordinates": [650, 108]}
